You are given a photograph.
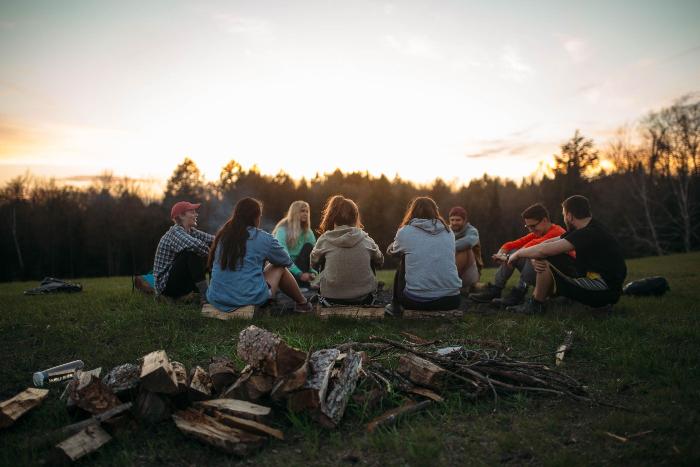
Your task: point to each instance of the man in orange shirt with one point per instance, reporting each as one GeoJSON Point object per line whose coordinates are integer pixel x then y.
{"type": "Point", "coordinates": [541, 228]}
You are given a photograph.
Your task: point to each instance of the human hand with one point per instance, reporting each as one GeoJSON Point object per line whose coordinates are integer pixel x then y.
{"type": "Point", "coordinates": [306, 277]}
{"type": "Point", "coordinates": [512, 258]}
{"type": "Point", "coordinates": [539, 265]}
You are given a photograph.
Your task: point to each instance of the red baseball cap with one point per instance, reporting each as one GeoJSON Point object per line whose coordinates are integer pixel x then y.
{"type": "Point", "coordinates": [458, 211]}
{"type": "Point", "coordinates": [181, 207]}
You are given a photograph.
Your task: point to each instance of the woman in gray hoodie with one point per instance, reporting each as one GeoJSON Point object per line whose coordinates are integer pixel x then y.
{"type": "Point", "coordinates": [427, 277]}
{"type": "Point", "coordinates": [348, 255]}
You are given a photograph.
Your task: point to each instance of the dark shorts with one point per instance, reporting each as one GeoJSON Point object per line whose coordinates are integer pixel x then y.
{"type": "Point", "coordinates": [589, 288]}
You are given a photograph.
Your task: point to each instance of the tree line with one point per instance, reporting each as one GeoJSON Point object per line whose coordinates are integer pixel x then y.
{"type": "Point", "coordinates": [647, 193]}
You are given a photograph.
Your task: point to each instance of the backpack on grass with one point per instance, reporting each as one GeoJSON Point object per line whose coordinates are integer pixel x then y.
{"type": "Point", "coordinates": [656, 285]}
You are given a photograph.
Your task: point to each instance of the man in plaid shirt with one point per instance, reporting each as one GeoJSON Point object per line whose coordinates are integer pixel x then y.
{"type": "Point", "coordinates": [180, 261]}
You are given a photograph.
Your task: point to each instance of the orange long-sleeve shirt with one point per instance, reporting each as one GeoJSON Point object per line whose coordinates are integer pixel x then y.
{"type": "Point", "coordinates": [531, 239]}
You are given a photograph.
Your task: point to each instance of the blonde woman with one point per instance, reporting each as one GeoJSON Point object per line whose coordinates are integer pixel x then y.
{"type": "Point", "coordinates": [295, 235]}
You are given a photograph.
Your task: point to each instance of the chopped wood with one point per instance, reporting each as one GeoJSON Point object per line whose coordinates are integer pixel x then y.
{"type": "Point", "coordinates": [563, 348]}
{"type": "Point", "coordinates": [157, 374]}
{"type": "Point", "coordinates": [426, 393]}
{"type": "Point", "coordinates": [74, 428]}
{"type": "Point", "coordinates": [252, 385]}
{"type": "Point", "coordinates": [89, 440]}
{"type": "Point", "coordinates": [12, 409]}
{"type": "Point", "coordinates": [250, 426]}
{"type": "Point", "coordinates": [245, 312]}
{"type": "Point", "coordinates": [390, 417]}
{"type": "Point", "coordinates": [422, 314]}
{"type": "Point", "coordinates": [210, 431]}
{"type": "Point", "coordinates": [421, 371]}
{"type": "Point", "coordinates": [265, 350]}
{"type": "Point", "coordinates": [314, 391]}
{"type": "Point", "coordinates": [90, 394]}
{"type": "Point", "coordinates": [292, 382]}
{"type": "Point", "coordinates": [180, 376]}
{"type": "Point", "coordinates": [123, 379]}
{"type": "Point", "coordinates": [223, 373]}
{"type": "Point", "coordinates": [350, 312]}
{"type": "Point", "coordinates": [337, 400]}
{"type": "Point", "coordinates": [85, 375]}
{"type": "Point", "coordinates": [200, 384]}
{"type": "Point", "coordinates": [237, 408]}
{"type": "Point", "coordinates": [152, 407]}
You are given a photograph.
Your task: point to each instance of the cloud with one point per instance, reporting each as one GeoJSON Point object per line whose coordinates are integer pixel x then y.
{"type": "Point", "coordinates": [576, 48]}
{"type": "Point", "coordinates": [254, 29]}
{"type": "Point", "coordinates": [513, 66]}
{"type": "Point", "coordinates": [505, 148]}
{"type": "Point", "coordinates": [413, 46]}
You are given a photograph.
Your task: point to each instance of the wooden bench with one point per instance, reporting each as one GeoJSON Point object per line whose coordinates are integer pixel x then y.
{"type": "Point", "coordinates": [244, 312]}
{"type": "Point", "coordinates": [421, 314]}
{"type": "Point", "coordinates": [352, 312]}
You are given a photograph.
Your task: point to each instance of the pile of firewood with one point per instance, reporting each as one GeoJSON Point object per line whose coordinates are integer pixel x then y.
{"type": "Point", "coordinates": [221, 405]}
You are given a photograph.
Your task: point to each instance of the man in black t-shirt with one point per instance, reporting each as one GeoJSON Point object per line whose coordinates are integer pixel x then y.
{"type": "Point", "coordinates": [594, 278]}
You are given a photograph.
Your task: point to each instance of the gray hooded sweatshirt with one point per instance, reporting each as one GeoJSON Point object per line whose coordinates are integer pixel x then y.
{"type": "Point", "coordinates": [349, 254]}
{"type": "Point", "coordinates": [429, 255]}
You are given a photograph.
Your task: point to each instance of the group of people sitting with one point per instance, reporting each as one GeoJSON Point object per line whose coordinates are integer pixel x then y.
{"type": "Point", "coordinates": [439, 260]}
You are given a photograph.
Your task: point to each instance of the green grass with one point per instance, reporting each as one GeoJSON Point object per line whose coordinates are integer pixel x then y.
{"type": "Point", "coordinates": [644, 357]}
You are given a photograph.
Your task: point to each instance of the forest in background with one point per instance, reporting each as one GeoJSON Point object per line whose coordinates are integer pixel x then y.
{"type": "Point", "coordinates": [648, 197]}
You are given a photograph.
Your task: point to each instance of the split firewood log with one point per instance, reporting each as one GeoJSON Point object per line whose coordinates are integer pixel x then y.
{"type": "Point", "coordinates": [157, 374]}
{"type": "Point", "coordinates": [210, 431]}
{"type": "Point", "coordinates": [315, 388]}
{"type": "Point", "coordinates": [265, 350]}
{"type": "Point", "coordinates": [333, 406]}
{"type": "Point", "coordinates": [180, 376]}
{"type": "Point", "coordinates": [237, 408]}
{"type": "Point", "coordinates": [123, 380]}
{"type": "Point", "coordinates": [200, 384]}
{"type": "Point", "coordinates": [421, 371]}
{"type": "Point", "coordinates": [12, 409]}
{"type": "Point", "coordinates": [89, 440]}
{"type": "Point", "coordinates": [152, 407]}
{"type": "Point", "coordinates": [223, 373]}
{"type": "Point", "coordinates": [252, 385]}
{"type": "Point", "coordinates": [90, 394]}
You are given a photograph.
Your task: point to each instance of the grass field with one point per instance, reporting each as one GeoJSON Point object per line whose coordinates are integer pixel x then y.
{"type": "Point", "coordinates": [645, 357]}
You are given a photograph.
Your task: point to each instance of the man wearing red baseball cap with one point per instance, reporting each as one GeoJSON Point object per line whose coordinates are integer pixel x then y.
{"type": "Point", "coordinates": [180, 262]}
{"type": "Point", "coordinates": [467, 248]}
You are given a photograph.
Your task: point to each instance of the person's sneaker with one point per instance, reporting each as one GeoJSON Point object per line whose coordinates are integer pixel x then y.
{"type": "Point", "coordinates": [392, 310]}
{"type": "Point", "coordinates": [529, 307]}
{"type": "Point", "coordinates": [142, 285]}
{"type": "Point", "coordinates": [305, 307]}
{"type": "Point", "coordinates": [485, 296]}
{"type": "Point", "coordinates": [515, 297]}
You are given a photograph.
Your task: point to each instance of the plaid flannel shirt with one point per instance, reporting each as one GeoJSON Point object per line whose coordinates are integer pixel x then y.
{"type": "Point", "coordinates": [175, 240]}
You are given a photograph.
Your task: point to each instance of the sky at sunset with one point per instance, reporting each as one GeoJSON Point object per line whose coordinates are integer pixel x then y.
{"type": "Point", "coordinates": [422, 89]}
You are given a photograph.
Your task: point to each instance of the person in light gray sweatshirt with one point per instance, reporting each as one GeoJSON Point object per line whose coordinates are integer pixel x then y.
{"type": "Point", "coordinates": [348, 254]}
{"type": "Point", "coordinates": [427, 277]}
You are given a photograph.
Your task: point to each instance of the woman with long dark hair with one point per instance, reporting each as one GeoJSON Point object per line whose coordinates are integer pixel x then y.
{"type": "Point", "coordinates": [427, 277]}
{"type": "Point", "coordinates": [237, 260]}
{"type": "Point", "coordinates": [349, 255]}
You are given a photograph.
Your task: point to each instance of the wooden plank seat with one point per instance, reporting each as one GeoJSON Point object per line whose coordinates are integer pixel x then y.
{"type": "Point", "coordinates": [350, 311]}
{"type": "Point", "coordinates": [421, 314]}
{"type": "Point", "coordinates": [244, 312]}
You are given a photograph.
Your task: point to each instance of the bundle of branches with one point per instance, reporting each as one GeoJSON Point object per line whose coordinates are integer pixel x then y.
{"type": "Point", "coordinates": [473, 367]}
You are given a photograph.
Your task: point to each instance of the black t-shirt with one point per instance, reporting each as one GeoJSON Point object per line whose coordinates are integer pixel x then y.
{"type": "Point", "coordinates": [598, 251]}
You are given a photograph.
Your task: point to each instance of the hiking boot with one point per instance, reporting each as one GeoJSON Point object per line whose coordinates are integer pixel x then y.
{"type": "Point", "coordinates": [515, 297]}
{"type": "Point", "coordinates": [530, 307]}
{"type": "Point", "coordinates": [488, 294]}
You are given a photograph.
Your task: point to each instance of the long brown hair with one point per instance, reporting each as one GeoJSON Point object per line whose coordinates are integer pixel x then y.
{"type": "Point", "coordinates": [423, 207]}
{"type": "Point", "coordinates": [339, 211]}
{"type": "Point", "coordinates": [292, 222]}
{"type": "Point", "coordinates": [233, 235]}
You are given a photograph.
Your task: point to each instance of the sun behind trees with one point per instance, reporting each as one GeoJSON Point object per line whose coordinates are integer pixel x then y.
{"type": "Point", "coordinates": [650, 195]}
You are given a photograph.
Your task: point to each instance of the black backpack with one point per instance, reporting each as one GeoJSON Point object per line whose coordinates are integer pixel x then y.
{"type": "Point", "coordinates": [656, 285]}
